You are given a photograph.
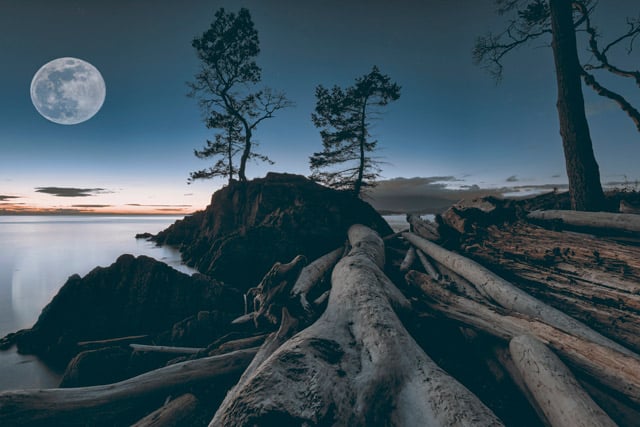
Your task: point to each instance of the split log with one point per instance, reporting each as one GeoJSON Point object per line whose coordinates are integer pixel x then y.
{"type": "Point", "coordinates": [86, 405]}
{"type": "Point", "coordinates": [616, 370]}
{"type": "Point", "coordinates": [509, 296]}
{"type": "Point", "coordinates": [557, 392]}
{"type": "Point", "coordinates": [174, 414]}
{"type": "Point", "coordinates": [428, 267]}
{"type": "Point", "coordinates": [356, 365]}
{"type": "Point", "coordinates": [165, 349]}
{"type": "Point", "coordinates": [312, 274]}
{"type": "Point", "coordinates": [408, 260]}
{"type": "Point", "coordinates": [599, 220]}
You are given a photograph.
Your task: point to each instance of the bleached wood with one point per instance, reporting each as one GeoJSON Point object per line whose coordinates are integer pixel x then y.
{"type": "Point", "coordinates": [173, 414]}
{"type": "Point", "coordinates": [607, 220]}
{"type": "Point", "coordinates": [556, 390]}
{"type": "Point", "coordinates": [428, 267]}
{"type": "Point", "coordinates": [165, 349]}
{"type": "Point", "coordinates": [356, 365]}
{"type": "Point", "coordinates": [508, 295]}
{"type": "Point", "coordinates": [616, 370]}
{"type": "Point", "coordinates": [408, 260]}
{"type": "Point", "coordinates": [62, 406]}
{"type": "Point", "coordinates": [312, 274]}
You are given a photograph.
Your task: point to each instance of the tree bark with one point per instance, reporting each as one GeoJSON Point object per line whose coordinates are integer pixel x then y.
{"type": "Point", "coordinates": [312, 274]}
{"type": "Point", "coordinates": [356, 365]}
{"type": "Point", "coordinates": [556, 391]}
{"type": "Point", "coordinates": [176, 413]}
{"type": "Point", "coordinates": [86, 405]}
{"type": "Point", "coordinates": [507, 295]}
{"type": "Point", "coordinates": [582, 169]}
{"type": "Point", "coordinates": [625, 222]}
{"type": "Point", "coordinates": [611, 368]}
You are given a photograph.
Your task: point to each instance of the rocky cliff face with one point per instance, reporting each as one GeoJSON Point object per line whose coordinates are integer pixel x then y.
{"type": "Point", "coordinates": [251, 225]}
{"type": "Point", "coordinates": [133, 296]}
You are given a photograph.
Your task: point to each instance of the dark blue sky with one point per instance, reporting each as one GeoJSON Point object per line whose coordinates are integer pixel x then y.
{"type": "Point", "coordinates": [452, 120]}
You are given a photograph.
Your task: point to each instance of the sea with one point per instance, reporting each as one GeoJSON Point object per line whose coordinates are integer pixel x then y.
{"type": "Point", "coordinates": [39, 253]}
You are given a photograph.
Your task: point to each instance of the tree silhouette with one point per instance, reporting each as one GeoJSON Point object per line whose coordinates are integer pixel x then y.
{"type": "Point", "coordinates": [226, 146]}
{"type": "Point", "coordinates": [345, 115]}
{"type": "Point", "coordinates": [226, 84]}
{"type": "Point", "coordinates": [562, 19]}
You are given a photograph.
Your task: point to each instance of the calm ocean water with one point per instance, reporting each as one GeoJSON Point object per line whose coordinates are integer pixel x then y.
{"type": "Point", "coordinates": [39, 253]}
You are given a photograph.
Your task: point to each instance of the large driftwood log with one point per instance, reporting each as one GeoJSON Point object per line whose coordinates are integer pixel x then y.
{"type": "Point", "coordinates": [616, 370]}
{"type": "Point", "coordinates": [509, 296]}
{"type": "Point", "coordinates": [604, 220]}
{"type": "Point", "coordinates": [423, 228]}
{"type": "Point", "coordinates": [557, 392]}
{"type": "Point", "coordinates": [86, 405]}
{"type": "Point", "coordinates": [356, 365]}
{"type": "Point", "coordinates": [165, 349]}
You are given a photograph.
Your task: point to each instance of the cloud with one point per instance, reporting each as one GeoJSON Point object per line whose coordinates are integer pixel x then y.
{"type": "Point", "coordinates": [512, 178]}
{"type": "Point", "coordinates": [158, 206]}
{"type": "Point", "coordinates": [433, 195]}
{"type": "Point", "coordinates": [556, 175]}
{"type": "Point", "coordinates": [5, 198]}
{"type": "Point", "coordinates": [91, 206]}
{"type": "Point", "coordinates": [71, 191]}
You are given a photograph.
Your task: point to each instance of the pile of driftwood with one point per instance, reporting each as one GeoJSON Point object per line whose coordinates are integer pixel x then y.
{"type": "Point", "coordinates": [351, 338]}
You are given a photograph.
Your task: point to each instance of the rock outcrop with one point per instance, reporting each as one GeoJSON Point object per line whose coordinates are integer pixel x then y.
{"type": "Point", "coordinates": [251, 225]}
{"type": "Point", "coordinates": [133, 296]}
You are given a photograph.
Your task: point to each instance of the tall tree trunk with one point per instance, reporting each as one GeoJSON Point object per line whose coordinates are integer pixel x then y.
{"type": "Point", "coordinates": [245, 154]}
{"type": "Point", "coordinates": [363, 138]}
{"type": "Point", "coordinates": [582, 169]}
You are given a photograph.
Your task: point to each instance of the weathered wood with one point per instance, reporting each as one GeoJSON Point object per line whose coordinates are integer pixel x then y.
{"type": "Point", "coordinates": [408, 260]}
{"type": "Point", "coordinates": [509, 296]}
{"type": "Point", "coordinates": [165, 349]}
{"type": "Point", "coordinates": [423, 228]}
{"type": "Point", "coordinates": [90, 345]}
{"type": "Point", "coordinates": [428, 267]}
{"type": "Point", "coordinates": [176, 413]}
{"type": "Point", "coordinates": [312, 274]}
{"type": "Point", "coordinates": [356, 365]}
{"type": "Point", "coordinates": [86, 405]}
{"type": "Point", "coordinates": [626, 207]}
{"type": "Point", "coordinates": [616, 370]}
{"type": "Point", "coordinates": [602, 220]}
{"type": "Point", "coordinates": [556, 390]}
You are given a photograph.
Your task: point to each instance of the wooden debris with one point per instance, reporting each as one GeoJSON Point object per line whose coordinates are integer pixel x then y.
{"type": "Point", "coordinates": [599, 220]}
{"type": "Point", "coordinates": [165, 349]}
{"type": "Point", "coordinates": [174, 414]}
{"type": "Point", "coordinates": [556, 390]}
{"type": "Point", "coordinates": [356, 365]}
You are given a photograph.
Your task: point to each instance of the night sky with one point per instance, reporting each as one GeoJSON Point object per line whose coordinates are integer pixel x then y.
{"type": "Point", "coordinates": [452, 120]}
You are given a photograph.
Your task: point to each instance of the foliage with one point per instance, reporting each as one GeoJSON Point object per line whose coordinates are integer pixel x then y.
{"type": "Point", "coordinates": [226, 84]}
{"type": "Point", "coordinates": [344, 117]}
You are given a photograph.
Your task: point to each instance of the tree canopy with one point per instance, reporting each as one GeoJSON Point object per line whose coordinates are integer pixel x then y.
{"type": "Point", "coordinates": [226, 89]}
{"type": "Point", "coordinates": [344, 117]}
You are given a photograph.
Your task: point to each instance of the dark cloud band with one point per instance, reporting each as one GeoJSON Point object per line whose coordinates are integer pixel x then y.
{"type": "Point", "coordinates": [71, 191]}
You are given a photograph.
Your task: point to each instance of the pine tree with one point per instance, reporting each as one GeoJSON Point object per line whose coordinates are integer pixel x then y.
{"type": "Point", "coordinates": [344, 116]}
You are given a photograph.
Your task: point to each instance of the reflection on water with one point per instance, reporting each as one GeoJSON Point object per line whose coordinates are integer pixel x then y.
{"type": "Point", "coordinates": [39, 253]}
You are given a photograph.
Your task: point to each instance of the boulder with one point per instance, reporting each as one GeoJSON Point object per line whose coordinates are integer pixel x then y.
{"type": "Point", "coordinates": [133, 296]}
{"type": "Point", "coordinates": [251, 225]}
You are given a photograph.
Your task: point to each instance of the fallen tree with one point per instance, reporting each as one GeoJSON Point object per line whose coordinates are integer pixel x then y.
{"type": "Point", "coordinates": [555, 389]}
{"type": "Point", "coordinates": [123, 400]}
{"type": "Point", "coordinates": [509, 296]}
{"type": "Point", "coordinates": [616, 370]}
{"type": "Point", "coordinates": [356, 365]}
{"type": "Point", "coordinates": [599, 220]}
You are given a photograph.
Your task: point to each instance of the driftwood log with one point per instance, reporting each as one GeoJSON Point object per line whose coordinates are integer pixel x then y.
{"type": "Point", "coordinates": [312, 274]}
{"type": "Point", "coordinates": [602, 220]}
{"type": "Point", "coordinates": [509, 296]}
{"type": "Point", "coordinates": [555, 389]}
{"type": "Point", "coordinates": [177, 412]}
{"type": "Point", "coordinates": [609, 367]}
{"type": "Point", "coordinates": [88, 405]}
{"type": "Point", "coordinates": [356, 365]}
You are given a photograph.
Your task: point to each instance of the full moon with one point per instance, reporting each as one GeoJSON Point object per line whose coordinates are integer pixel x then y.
{"type": "Point", "coordinates": [68, 91]}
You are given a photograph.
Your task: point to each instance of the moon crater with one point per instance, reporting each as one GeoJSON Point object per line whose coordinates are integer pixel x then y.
{"type": "Point", "coordinates": [68, 91]}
